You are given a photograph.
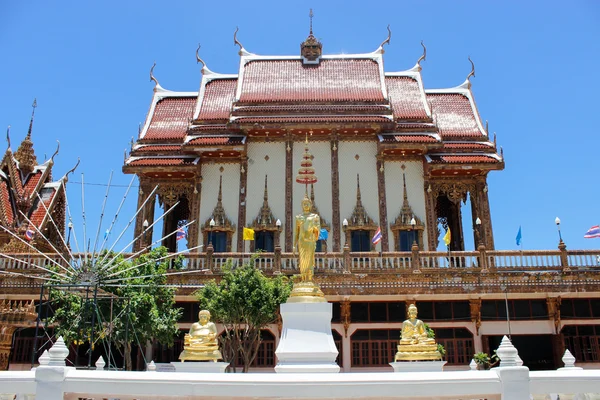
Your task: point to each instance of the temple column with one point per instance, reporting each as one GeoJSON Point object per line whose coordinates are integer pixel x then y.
{"type": "Point", "coordinates": [335, 193]}
{"type": "Point", "coordinates": [289, 193]}
{"type": "Point", "coordinates": [431, 216]}
{"type": "Point", "coordinates": [383, 224]}
{"type": "Point", "coordinates": [483, 206]}
{"type": "Point", "coordinates": [146, 214]}
{"type": "Point", "coordinates": [242, 207]}
{"type": "Point", "coordinates": [195, 201]}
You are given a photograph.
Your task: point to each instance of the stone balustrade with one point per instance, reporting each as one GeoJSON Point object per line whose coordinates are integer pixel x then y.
{"type": "Point", "coordinates": [53, 380]}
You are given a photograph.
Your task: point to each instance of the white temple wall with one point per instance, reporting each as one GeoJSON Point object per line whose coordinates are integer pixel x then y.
{"type": "Point", "coordinates": [322, 165]}
{"type": "Point", "coordinates": [266, 159]}
{"type": "Point", "coordinates": [394, 193]}
{"type": "Point", "coordinates": [230, 190]}
{"type": "Point", "coordinates": [358, 158]}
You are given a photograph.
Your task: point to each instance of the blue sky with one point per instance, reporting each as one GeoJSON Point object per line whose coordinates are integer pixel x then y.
{"type": "Point", "coordinates": [536, 82]}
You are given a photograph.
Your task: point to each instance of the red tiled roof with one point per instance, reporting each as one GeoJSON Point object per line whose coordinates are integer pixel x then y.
{"type": "Point", "coordinates": [294, 119]}
{"type": "Point", "coordinates": [463, 159]}
{"type": "Point", "coordinates": [454, 115]}
{"type": "Point", "coordinates": [170, 118]}
{"type": "Point", "coordinates": [406, 97]}
{"type": "Point", "coordinates": [37, 217]}
{"type": "Point", "coordinates": [320, 108]}
{"type": "Point", "coordinates": [162, 161]}
{"type": "Point", "coordinates": [32, 182]}
{"type": "Point", "coordinates": [158, 148]}
{"type": "Point", "coordinates": [468, 145]}
{"type": "Point", "coordinates": [331, 80]}
{"type": "Point", "coordinates": [211, 140]}
{"type": "Point", "coordinates": [5, 202]}
{"type": "Point", "coordinates": [409, 139]}
{"type": "Point", "coordinates": [210, 128]}
{"type": "Point", "coordinates": [218, 97]}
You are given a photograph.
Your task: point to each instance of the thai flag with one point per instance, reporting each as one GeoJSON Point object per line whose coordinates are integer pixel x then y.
{"type": "Point", "coordinates": [593, 232]}
{"type": "Point", "coordinates": [29, 235]}
{"type": "Point", "coordinates": [377, 237]}
{"type": "Point", "coordinates": [181, 234]}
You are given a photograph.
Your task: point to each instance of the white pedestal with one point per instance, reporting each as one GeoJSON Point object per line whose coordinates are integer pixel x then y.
{"type": "Point", "coordinates": [306, 343]}
{"type": "Point", "coordinates": [418, 366]}
{"type": "Point", "coordinates": [200, 366]}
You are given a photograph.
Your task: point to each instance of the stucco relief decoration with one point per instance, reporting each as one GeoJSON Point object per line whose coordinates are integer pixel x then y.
{"type": "Point", "coordinates": [265, 219]}
{"type": "Point", "coordinates": [219, 216]}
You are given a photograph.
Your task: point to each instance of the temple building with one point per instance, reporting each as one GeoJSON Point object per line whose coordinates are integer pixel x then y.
{"type": "Point", "coordinates": [390, 155]}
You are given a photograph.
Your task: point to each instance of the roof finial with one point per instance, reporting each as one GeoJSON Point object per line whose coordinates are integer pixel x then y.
{"type": "Point", "coordinates": [72, 169]}
{"type": "Point", "coordinates": [8, 136]}
{"type": "Point", "coordinates": [472, 73]}
{"type": "Point", "coordinates": [34, 106]}
{"type": "Point", "coordinates": [487, 130]}
{"type": "Point", "coordinates": [310, 16]}
{"type": "Point", "coordinates": [311, 49]}
{"type": "Point", "coordinates": [56, 152]}
{"type": "Point", "coordinates": [424, 56]}
{"type": "Point", "coordinates": [235, 41]}
{"type": "Point", "coordinates": [198, 59]}
{"type": "Point", "coordinates": [153, 79]}
{"type": "Point", "coordinates": [387, 40]}
{"type": "Point", "coordinates": [495, 146]}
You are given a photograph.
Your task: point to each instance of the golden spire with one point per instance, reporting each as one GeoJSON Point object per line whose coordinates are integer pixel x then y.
{"type": "Point", "coordinates": [25, 154]}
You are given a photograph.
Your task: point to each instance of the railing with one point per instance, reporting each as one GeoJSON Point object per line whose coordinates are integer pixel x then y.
{"type": "Point", "coordinates": [365, 262]}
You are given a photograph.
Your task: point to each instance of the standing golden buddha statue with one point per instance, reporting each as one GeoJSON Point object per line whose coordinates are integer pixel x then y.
{"type": "Point", "coordinates": [414, 343]}
{"type": "Point", "coordinates": [306, 235]}
{"type": "Point", "coordinates": [201, 343]}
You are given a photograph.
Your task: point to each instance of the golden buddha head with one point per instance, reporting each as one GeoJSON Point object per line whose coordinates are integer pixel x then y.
{"type": "Point", "coordinates": [306, 204]}
{"type": "Point", "coordinates": [204, 316]}
{"type": "Point", "coordinates": [412, 311]}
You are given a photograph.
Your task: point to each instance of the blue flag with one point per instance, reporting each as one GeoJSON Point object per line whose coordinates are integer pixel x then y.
{"type": "Point", "coordinates": [323, 234]}
{"type": "Point", "coordinates": [519, 237]}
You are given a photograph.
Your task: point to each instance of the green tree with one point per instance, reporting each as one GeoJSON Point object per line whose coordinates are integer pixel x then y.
{"type": "Point", "coordinates": [136, 309]}
{"type": "Point", "coordinates": [245, 301]}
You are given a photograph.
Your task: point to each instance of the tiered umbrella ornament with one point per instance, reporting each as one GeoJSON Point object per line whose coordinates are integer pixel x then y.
{"type": "Point", "coordinates": [306, 172]}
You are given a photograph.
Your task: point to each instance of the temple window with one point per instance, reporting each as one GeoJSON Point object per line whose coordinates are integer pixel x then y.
{"type": "Point", "coordinates": [583, 342]}
{"type": "Point", "coordinates": [360, 227]}
{"type": "Point", "coordinates": [218, 229]}
{"type": "Point", "coordinates": [458, 343]}
{"type": "Point", "coordinates": [360, 241]}
{"type": "Point", "coordinates": [264, 241]}
{"type": "Point", "coordinates": [407, 227]}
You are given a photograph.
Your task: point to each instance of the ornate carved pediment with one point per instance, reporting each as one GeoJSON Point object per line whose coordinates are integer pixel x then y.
{"type": "Point", "coordinates": [455, 191]}
{"type": "Point", "coordinates": [169, 194]}
{"type": "Point", "coordinates": [359, 218]}
{"type": "Point", "coordinates": [265, 221]}
{"type": "Point", "coordinates": [403, 220]}
{"type": "Point", "coordinates": [222, 222]}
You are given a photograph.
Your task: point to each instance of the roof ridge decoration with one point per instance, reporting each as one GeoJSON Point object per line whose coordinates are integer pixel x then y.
{"type": "Point", "coordinates": [386, 41]}
{"type": "Point", "coordinates": [204, 70]}
{"type": "Point", "coordinates": [311, 49]}
{"type": "Point", "coordinates": [157, 86]}
{"type": "Point", "coordinates": [359, 217]}
{"type": "Point", "coordinates": [25, 154]}
{"type": "Point", "coordinates": [467, 83]}
{"type": "Point", "coordinates": [422, 58]}
{"type": "Point", "coordinates": [219, 216]}
{"type": "Point", "coordinates": [403, 220]}
{"type": "Point", "coordinates": [8, 137]}
{"type": "Point", "coordinates": [243, 51]}
{"type": "Point", "coordinates": [265, 216]}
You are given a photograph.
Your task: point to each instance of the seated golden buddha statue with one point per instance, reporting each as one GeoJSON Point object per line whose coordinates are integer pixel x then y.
{"type": "Point", "coordinates": [201, 344]}
{"type": "Point", "coordinates": [414, 343]}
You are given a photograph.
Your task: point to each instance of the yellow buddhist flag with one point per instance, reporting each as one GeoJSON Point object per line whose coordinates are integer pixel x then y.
{"type": "Point", "coordinates": [248, 234]}
{"type": "Point", "coordinates": [447, 237]}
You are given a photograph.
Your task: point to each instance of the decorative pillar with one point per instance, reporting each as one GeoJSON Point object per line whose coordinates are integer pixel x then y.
{"type": "Point", "coordinates": [382, 204]}
{"type": "Point", "coordinates": [483, 209]}
{"type": "Point", "coordinates": [242, 207]}
{"type": "Point", "coordinates": [146, 214]}
{"type": "Point", "coordinates": [553, 304]}
{"type": "Point", "coordinates": [195, 200]}
{"type": "Point", "coordinates": [345, 314]}
{"type": "Point", "coordinates": [475, 305]}
{"type": "Point", "coordinates": [431, 216]}
{"type": "Point", "coordinates": [289, 193]}
{"type": "Point", "coordinates": [335, 192]}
